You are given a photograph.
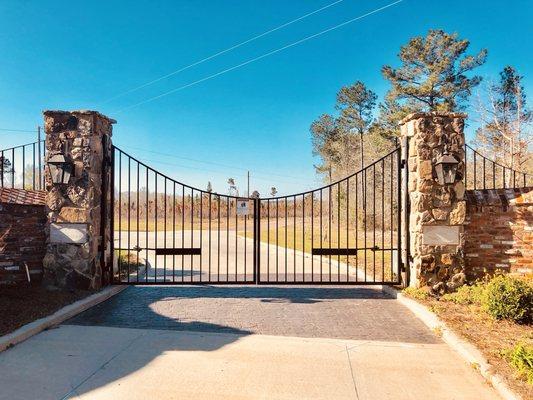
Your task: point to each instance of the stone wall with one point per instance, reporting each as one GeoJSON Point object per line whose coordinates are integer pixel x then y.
{"type": "Point", "coordinates": [437, 211]}
{"type": "Point", "coordinates": [22, 233]}
{"type": "Point", "coordinates": [499, 232]}
{"type": "Point", "coordinates": [78, 251]}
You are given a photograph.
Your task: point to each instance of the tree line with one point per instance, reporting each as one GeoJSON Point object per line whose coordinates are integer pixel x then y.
{"type": "Point", "coordinates": [435, 73]}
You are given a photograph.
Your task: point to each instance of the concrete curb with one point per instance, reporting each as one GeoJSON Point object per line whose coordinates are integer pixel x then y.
{"type": "Point", "coordinates": [61, 315]}
{"type": "Point", "coordinates": [466, 350]}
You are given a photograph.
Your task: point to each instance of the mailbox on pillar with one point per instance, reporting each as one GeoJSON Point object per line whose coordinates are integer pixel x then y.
{"type": "Point", "coordinates": [60, 169]}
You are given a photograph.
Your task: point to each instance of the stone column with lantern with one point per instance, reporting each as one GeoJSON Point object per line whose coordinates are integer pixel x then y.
{"type": "Point", "coordinates": [436, 161]}
{"type": "Point", "coordinates": [78, 193]}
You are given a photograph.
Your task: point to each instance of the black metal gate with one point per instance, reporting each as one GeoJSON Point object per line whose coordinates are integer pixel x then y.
{"type": "Point", "coordinates": [166, 232]}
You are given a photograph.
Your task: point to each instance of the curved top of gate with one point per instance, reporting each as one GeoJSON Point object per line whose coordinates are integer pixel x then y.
{"type": "Point", "coordinates": [329, 185]}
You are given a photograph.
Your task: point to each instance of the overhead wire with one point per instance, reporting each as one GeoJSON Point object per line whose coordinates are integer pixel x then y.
{"type": "Point", "coordinates": [219, 53]}
{"type": "Point", "coordinates": [224, 71]}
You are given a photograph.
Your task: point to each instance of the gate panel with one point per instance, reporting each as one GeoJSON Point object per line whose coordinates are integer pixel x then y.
{"type": "Point", "coordinates": [343, 233]}
{"type": "Point", "coordinates": [166, 232]}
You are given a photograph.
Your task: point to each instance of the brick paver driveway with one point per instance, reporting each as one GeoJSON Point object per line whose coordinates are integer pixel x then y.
{"type": "Point", "coordinates": [325, 312]}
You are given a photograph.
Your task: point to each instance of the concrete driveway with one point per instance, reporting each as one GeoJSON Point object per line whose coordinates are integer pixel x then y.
{"type": "Point", "coordinates": [236, 342]}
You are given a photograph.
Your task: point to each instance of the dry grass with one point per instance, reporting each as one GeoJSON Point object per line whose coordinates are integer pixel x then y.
{"type": "Point", "coordinates": [492, 337]}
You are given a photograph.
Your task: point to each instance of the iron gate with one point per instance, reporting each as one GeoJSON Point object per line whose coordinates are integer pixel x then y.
{"type": "Point", "coordinates": [166, 232]}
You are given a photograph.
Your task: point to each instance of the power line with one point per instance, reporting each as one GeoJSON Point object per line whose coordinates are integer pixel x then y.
{"type": "Point", "coordinates": [221, 52]}
{"type": "Point", "coordinates": [213, 163]}
{"type": "Point", "coordinates": [18, 130]}
{"type": "Point", "coordinates": [260, 57]}
{"type": "Point", "coordinates": [147, 160]}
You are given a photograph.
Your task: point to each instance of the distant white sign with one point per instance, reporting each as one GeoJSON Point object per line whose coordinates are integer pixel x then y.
{"type": "Point", "coordinates": [242, 207]}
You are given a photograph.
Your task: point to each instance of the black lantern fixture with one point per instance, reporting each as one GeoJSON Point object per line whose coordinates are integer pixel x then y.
{"type": "Point", "coordinates": [60, 169]}
{"type": "Point", "coordinates": [446, 168]}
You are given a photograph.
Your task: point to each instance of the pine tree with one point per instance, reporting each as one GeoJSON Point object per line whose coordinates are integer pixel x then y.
{"type": "Point", "coordinates": [433, 74]}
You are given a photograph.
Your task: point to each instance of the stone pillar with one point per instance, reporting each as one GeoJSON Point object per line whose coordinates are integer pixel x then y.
{"type": "Point", "coordinates": [437, 212]}
{"type": "Point", "coordinates": [78, 227]}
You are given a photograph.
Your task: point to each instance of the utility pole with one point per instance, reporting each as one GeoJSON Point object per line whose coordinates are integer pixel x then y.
{"type": "Point", "coordinates": [248, 188]}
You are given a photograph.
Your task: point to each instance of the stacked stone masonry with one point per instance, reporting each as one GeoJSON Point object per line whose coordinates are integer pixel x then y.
{"type": "Point", "coordinates": [74, 251]}
{"type": "Point", "coordinates": [437, 210]}
{"type": "Point", "coordinates": [22, 233]}
{"type": "Point", "coordinates": [499, 232]}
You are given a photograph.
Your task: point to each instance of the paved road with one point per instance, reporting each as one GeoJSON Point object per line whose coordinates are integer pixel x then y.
{"type": "Point", "coordinates": [237, 342]}
{"type": "Point", "coordinates": [229, 256]}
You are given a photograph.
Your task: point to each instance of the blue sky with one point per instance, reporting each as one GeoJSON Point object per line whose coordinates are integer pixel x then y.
{"type": "Point", "coordinates": [77, 55]}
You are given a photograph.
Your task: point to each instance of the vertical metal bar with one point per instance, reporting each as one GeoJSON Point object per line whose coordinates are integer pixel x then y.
{"type": "Point", "coordinates": [227, 238]}
{"type": "Point", "coordinates": [147, 221]}
{"type": "Point", "coordinates": [218, 240]}
{"type": "Point", "coordinates": [392, 217]}
{"type": "Point", "coordinates": [475, 172]}
{"type": "Point", "coordinates": [183, 232]}
{"type": "Point", "coordinates": [338, 230]}
{"type": "Point", "coordinates": [321, 234]}
{"type": "Point", "coordinates": [155, 225]}
{"type": "Point", "coordinates": [286, 245]}
{"type": "Point", "coordinates": [484, 187]}
{"type": "Point", "coordinates": [312, 235]}
{"type": "Point", "coordinates": [363, 188]}
{"type": "Point", "coordinates": [405, 207]}
{"type": "Point", "coordinates": [383, 220]}
{"type": "Point", "coordinates": [112, 216]}
{"type": "Point", "coordinates": [209, 237]}
{"type": "Point", "coordinates": [466, 166]}
{"type": "Point", "coordinates": [268, 240]}
{"type": "Point", "coordinates": [192, 231]}
{"type": "Point", "coordinates": [374, 219]}
{"type": "Point", "coordinates": [347, 228]}
{"type": "Point", "coordinates": [294, 238]}
{"type": "Point", "coordinates": [202, 232]}
{"type": "Point", "coordinates": [23, 167]}
{"type": "Point", "coordinates": [33, 169]}
{"type": "Point", "coordinates": [129, 217]}
{"type": "Point", "coordinates": [40, 159]}
{"type": "Point", "coordinates": [174, 230]}
{"type": "Point", "coordinates": [258, 241]}
{"type": "Point", "coordinates": [245, 240]}
{"type": "Point", "coordinates": [13, 168]}
{"type": "Point", "coordinates": [120, 216]}
{"type": "Point", "coordinates": [138, 208]}
{"type": "Point", "coordinates": [357, 226]}
{"type": "Point", "coordinates": [3, 169]}
{"type": "Point", "coordinates": [236, 241]}
{"type": "Point", "coordinates": [503, 168]}
{"type": "Point", "coordinates": [277, 240]}
{"type": "Point", "coordinates": [165, 232]}
{"type": "Point", "coordinates": [330, 215]}
{"type": "Point", "coordinates": [494, 175]}
{"type": "Point", "coordinates": [303, 237]}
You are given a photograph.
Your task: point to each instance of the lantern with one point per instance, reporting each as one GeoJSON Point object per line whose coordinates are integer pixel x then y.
{"type": "Point", "coordinates": [446, 168]}
{"type": "Point", "coordinates": [60, 169]}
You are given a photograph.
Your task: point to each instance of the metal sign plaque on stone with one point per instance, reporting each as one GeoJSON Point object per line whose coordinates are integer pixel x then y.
{"type": "Point", "coordinates": [242, 207]}
{"type": "Point", "coordinates": [68, 233]}
{"type": "Point", "coordinates": [436, 235]}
